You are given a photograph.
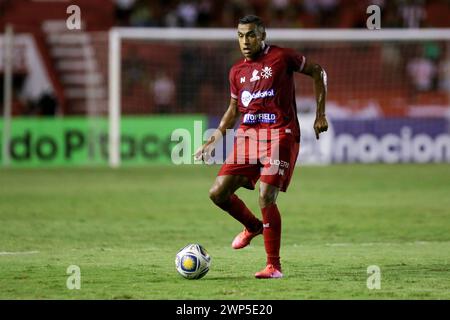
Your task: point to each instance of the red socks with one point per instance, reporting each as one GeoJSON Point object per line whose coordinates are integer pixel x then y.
{"type": "Point", "coordinates": [238, 210]}
{"type": "Point", "coordinates": [272, 234]}
{"type": "Point", "coordinates": [272, 225]}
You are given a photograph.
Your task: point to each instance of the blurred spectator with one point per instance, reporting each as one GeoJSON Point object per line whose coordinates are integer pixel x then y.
{"type": "Point", "coordinates": [280, 5]}
{"type": "Point", "coordinates": [133, 72]}
{"type": "Point", "coordinates": [45, 105]}
{"type": "Point", "coordinates": [390, 17]}
{"type": "Point", "coordinates": [191, 77]}
{"type": "Point", "coordinates": [281, 13]}
{"type": "Point", "coordinates": [325, 11]}
{"type": "Point", "coordinates": [432, 51]}
{"type": "Point", "coordinates": [187, 12]}
{"type": "Point", "coordinates": [391, 55]}
{"type": "Point", "coordinates": [311, 6]}
{"type": "Point", "coordinates": [235, 9]}
{"type": "Point", "coordinates": [163, 90]}
{"type": "Point", "coordinates": [205, 8]}
{"type": "Point", "coordinates": [281, 17]}
{"type": "Point", "coordinates": [123, 11]}
{"type": "Point", "coordinates": [412, 12]}
{"type": "Point", "coordinates": [422, 72]}
{"type": "Point", "coordinates": [142, 15]}
{"type": "Point", "coordinates": [170, 18]}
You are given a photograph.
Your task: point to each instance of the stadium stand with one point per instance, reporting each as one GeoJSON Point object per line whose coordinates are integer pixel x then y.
{"type": "Point", "coordinates": [69, 57]}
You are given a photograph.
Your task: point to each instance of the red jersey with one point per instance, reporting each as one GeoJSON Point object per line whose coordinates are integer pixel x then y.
{"type": "Point", "coordinates": [265, 90]}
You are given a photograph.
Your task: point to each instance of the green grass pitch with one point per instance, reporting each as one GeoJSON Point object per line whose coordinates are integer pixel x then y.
{"type": "Point", "coordinates": [123, 228]}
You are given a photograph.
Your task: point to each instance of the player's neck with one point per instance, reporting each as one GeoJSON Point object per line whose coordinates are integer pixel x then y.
{"type": "Point", "coordinates": [258, 54]}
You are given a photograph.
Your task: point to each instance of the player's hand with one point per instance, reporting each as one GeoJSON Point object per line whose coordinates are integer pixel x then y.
{"type": "Point", "coordinates": [203, 153]}
{"type": "Point", "coordinates": [320, 125]}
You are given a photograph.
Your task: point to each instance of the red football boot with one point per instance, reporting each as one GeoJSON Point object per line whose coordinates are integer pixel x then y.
{"type": "Point", "coordinates": [269, 272]}
{"type": "Point", "coordinates": [243, 239]}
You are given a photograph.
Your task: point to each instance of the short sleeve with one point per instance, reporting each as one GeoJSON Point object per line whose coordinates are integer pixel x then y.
{"type": "Point", "coordinates": [233, 88]}
{"type": "Point", "coordinates": [296, 61]}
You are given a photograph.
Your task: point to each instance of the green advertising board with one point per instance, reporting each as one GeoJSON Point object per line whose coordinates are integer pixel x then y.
{"type": "Point", "coordinates": [84, 141]}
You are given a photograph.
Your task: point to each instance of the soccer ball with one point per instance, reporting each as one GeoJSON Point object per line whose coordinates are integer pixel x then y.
{"type": "Point", "coordinates": [193, 261]}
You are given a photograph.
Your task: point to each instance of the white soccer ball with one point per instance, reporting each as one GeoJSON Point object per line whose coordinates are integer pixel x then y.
{"type": "Point", "coordinates": [193, 261]}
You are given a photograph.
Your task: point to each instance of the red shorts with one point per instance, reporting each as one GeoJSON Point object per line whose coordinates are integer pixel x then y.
{"type": "Point", "coordinates": [271, 161]}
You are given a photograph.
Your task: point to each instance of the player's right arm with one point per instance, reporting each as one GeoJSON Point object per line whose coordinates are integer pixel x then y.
{"type": "Point", "coordinates": [227, 122]}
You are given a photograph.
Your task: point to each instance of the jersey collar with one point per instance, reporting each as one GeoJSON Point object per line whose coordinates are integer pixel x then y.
{"type": "Point", "coordinates": [264, 50]}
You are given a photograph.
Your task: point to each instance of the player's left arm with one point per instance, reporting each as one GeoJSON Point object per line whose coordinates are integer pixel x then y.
{"type": "Point", "coordinates": [319, 76]}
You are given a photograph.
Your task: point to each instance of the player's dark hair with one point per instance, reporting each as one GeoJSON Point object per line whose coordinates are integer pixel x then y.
{"type": "Point", "coordinates": [250, 18]}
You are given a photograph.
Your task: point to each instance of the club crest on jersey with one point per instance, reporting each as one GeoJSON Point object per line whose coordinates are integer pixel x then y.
{"type": "Point", "coordinates": [266, 72]}
{"type": "Point", "coordinates": [247, 97]}
{"type": "Point", "coordinates": [255, 76]}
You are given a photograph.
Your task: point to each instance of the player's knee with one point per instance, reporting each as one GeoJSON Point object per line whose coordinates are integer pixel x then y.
{"type": "Point", "coordinates": [266, 199]}
{"type": "Point", "coordinates": [217, 195]}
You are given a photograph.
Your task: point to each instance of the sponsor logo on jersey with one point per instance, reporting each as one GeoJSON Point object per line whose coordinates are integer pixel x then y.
{"type": "Point", "coordinates": [251, 118]}
{"type": "Point", "coordinates": [266, 73]}
{"type": "Point", "coordinates": [280, 163]}
{"type": "Point", "coordinates": [255, 76]}
{"type": "Point", "coordinates": [247, 97]}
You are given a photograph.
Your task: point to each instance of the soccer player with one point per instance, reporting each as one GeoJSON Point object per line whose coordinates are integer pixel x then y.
{"type": "Point", "coordinates": [263, 98]}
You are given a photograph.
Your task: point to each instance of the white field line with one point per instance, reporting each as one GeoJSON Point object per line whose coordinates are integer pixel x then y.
{"type": "Point", "coordinates": [6, 253]}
